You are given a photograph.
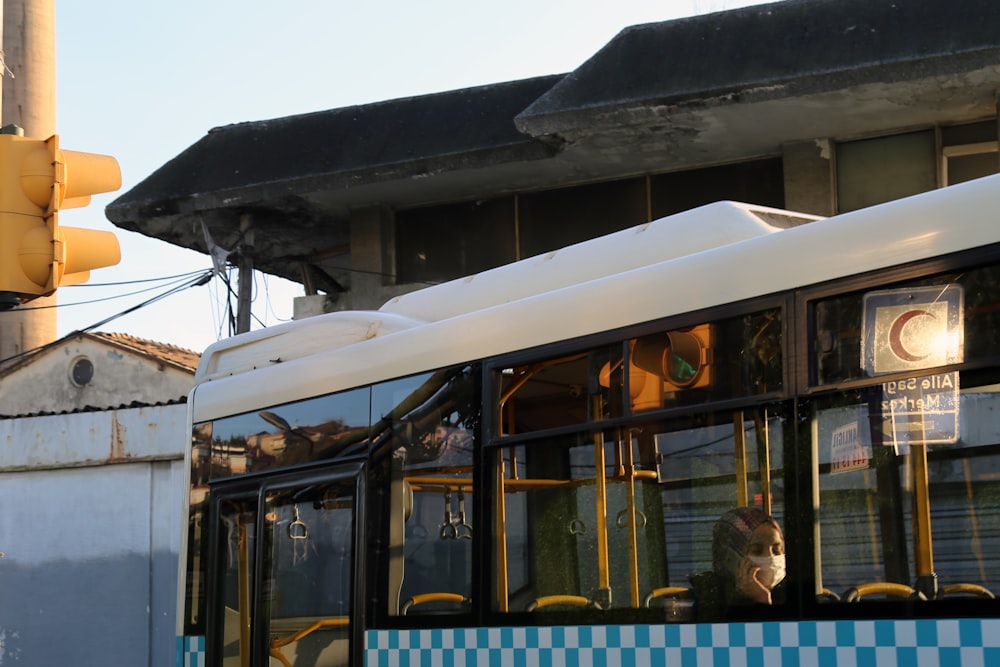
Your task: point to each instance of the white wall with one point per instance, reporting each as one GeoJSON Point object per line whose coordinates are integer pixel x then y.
{"type": "Point", "coordinates": [89, 575]}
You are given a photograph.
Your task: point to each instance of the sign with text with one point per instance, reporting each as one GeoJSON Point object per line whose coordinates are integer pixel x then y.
{"type": "Point", "coordinates": [847, 452]}
{"type": "Point", "coordinates": [920, 411]}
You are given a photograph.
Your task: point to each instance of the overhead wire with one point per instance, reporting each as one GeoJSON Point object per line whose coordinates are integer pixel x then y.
{"type": "Point", "coordinates": [196, 280]}
{"type": "Point", "coordinates": [115, 296]}
{"type": "Point", "coordinates": [141, 280]}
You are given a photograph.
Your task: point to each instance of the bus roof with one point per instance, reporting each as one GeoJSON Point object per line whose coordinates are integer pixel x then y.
{"type": "Point", "coordinates": [521, 306]}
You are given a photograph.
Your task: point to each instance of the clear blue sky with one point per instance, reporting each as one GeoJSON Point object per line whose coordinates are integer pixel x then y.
{"type": "Point", "coordinates": [144, 80]}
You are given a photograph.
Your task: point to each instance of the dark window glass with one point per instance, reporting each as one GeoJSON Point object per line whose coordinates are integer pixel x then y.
{"type": "Point", "coordinates": [557, 218]}
{"type": "Point", "coordinates": [235, 577]}
{"type": "Point", "coordinates": [838, 341]}
{"type": "Point", "coordinates": [759, 182]}
{"type": "Point", "coordinates": [740, 356]}
{"type": "Point", "coordinates": [311, 430]}
{"type": "Point", "coordinates": [308, 568]}
{"type": "Point", "coordinates": [970, 133]}
{"type": "Point", "coordinates": [873, 171]}
{"type": "Point", "coordinates": [440, 243]}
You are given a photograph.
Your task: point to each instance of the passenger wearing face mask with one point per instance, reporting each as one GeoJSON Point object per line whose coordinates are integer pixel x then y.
{"type": "Point", "coordinates": [748, 556]}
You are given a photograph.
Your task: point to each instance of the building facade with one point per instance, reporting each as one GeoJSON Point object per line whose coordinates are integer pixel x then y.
{"type": "Point", "coordinates": [819, 106]}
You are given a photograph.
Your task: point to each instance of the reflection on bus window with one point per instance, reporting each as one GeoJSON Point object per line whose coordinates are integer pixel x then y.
{"type": "Point", "coordinates": [319, 428]}
{"type": "Point", "coordinates": [423, 473]}
{"type": "Point", "coordinates": [731, 358]}
{"type": "Point", "coordinates": [837, 345]}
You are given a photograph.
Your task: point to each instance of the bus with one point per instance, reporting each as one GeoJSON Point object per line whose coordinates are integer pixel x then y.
{"type": "Point", "coordinates": [527, 466]}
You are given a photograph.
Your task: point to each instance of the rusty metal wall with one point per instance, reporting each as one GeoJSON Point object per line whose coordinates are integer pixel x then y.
{"type": "Point", "coordinates": [90, 533]}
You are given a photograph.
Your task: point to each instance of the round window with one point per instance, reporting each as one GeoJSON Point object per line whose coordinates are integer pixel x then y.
{"type": "Point", "coordinates": [81, 371]}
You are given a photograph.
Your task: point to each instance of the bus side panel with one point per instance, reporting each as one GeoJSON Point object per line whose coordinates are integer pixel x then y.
{"type": "Point", "coordinates": [966, 641]}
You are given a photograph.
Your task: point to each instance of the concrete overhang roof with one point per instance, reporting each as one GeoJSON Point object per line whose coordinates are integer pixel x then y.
{"type": "Point", "coordinates": [659, 97]}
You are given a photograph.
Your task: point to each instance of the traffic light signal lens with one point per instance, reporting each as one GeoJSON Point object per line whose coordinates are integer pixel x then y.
{"type": "Point", "coordinates": [683, 359]}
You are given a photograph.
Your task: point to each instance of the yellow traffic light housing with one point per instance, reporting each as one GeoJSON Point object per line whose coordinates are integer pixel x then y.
{"type": "Point", "coordinates": [39, 178]}
{"type": "Point", "coordinates": [681, 358]}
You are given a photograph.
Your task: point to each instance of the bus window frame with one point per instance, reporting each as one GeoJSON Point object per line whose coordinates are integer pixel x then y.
{"type": "Point", "coordinates": [495, 440]}
{"type": "Point", "coordinates": [259, 484]}
{"type": "Point", "coordinates": [807, 389]}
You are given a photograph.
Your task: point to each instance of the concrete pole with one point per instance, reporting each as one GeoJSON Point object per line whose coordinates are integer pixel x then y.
{"type": "Point", "coordinates": [29, 101]}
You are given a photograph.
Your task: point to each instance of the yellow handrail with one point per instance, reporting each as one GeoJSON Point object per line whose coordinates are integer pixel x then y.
{"type": "Point", "coordinates": [278, 642]}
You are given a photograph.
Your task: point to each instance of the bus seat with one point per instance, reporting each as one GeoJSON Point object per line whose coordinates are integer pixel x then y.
{"type": "Point", "coordinates": [677, 602]}
{"type": "Point", "coordinates": [887, 588]}
{"type": "Point", "coordinates": [974, 590]}
{"type": "Point", "coordinates": [678, 592]}
{"type": "Point", "coordinates": [562, 601]}
{"type": "Point", "coordinates": [826, 595]}
{"type": "Point", "coordinates": [460, 601]}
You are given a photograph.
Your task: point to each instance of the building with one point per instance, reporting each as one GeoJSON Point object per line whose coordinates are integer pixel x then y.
{"type": "Point", "coordinates": [819, 106]}
{"type": "Point", "coordinates": [96, 371]}
{"type": "Point", "coordinates": [92, 438]}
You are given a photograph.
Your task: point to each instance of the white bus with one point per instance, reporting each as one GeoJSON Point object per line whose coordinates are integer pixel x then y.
{"type": "Point", "coordinates": [532, 466]}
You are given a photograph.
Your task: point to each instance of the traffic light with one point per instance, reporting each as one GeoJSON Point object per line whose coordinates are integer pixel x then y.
{"type": "Point", "coordinates": [37, 179]}
{"type": "Point", "coordinates": [681, 358]}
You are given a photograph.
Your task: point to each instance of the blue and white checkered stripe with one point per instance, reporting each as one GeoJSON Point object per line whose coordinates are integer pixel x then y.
{"type": "Point", "coordinates": [920, 643]}
{"type": "Point", "coordinates": [190, 652]}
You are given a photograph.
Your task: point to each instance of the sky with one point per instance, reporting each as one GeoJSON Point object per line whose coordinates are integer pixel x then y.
{"type": "Point", "coordinates": [143, 81]}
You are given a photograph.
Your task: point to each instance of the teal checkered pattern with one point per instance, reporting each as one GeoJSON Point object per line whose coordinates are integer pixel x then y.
{"type": "Point", "coordinates": [917, 643]}
{"type": "Point", "coordinates": [931, 643]}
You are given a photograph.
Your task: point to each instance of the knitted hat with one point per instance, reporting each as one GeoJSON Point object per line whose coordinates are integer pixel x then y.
{"type": "Point", "coordinates": [731, 535]}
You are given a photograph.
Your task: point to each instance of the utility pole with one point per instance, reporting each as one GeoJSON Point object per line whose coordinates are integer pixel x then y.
{"type": "Point", "coordinates": [29, 101]}
{"type": "Point", "coordinates": [245, 284]}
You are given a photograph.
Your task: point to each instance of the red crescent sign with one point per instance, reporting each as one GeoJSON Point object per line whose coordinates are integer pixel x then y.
{"type": "Point", "coordinates": [896, 335]}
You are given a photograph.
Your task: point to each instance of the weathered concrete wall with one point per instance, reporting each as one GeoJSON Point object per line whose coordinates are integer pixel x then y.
{"type": "Point", "coordinates": [119, 377]}
{"type": "Point", "coordinates": [91, 547]}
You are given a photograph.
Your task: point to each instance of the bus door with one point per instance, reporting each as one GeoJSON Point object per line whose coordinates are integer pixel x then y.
{"type": "Point", "coordinates": [283, 563]}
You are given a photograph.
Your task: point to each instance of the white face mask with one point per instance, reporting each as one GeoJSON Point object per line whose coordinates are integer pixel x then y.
{"type": "Point", "coordinates": [772, 569]}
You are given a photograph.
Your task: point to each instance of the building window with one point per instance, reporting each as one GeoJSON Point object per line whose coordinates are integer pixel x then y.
{"type": "Point", "coordinates": [968, 161]}
{"type": "Point", "coordinates": [873, 171]}
{"type": "Point", "coordinates": [554, 219]}
{"type": "Point", "coordinates": [759, 182]}
{"type": "Point", "coordinates": [440, 243]}
{"type": "Point", "coordinates": [969, 151]}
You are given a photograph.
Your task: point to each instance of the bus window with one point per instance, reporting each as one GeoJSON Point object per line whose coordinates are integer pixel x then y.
{"type": "Point", "coordinates": [424, 433]}
{"type": "Point", "coordinates": [624, 518]}
{"type": "Point", "coordinates": [561, 391]}
{"type": "Point", "coordinates": [708, 465]}
{"type": "Point", "coordinates": [553, 551]}
{"type": "Point", "coordinates": [294, 603]}
{"type": "Point", "coordinates": [730, 358]}
{"type": "Point", "coordinates": [308, 565]}
{"type": "Point", "coordinates": [237, 539]}
{"type": "Point", "coordinates": [326, 427]}
{"type": "Point", "coordinates": [906, 462]}
{"type": "Point", "coordinates": [920, 515]}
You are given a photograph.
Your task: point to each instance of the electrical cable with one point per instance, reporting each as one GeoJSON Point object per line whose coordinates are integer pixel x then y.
{"type": "Point", "coordinates": [106, 298]}
{"type": "Point", "coordinates": [201, 279]}
{"type": "Point", "coordinates": [197, 272]}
